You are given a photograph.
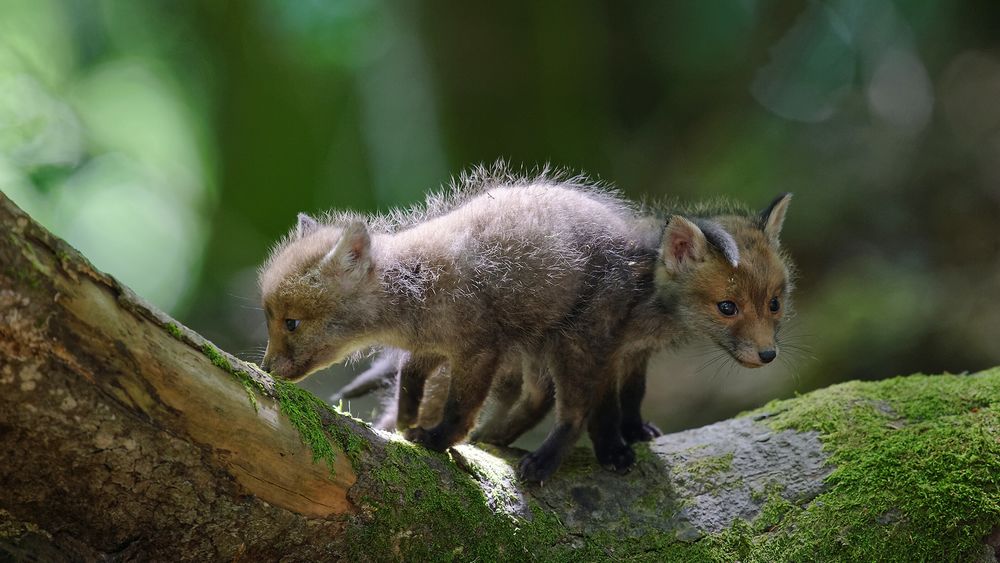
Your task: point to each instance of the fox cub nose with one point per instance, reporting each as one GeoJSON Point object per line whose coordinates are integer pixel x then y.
{"type": "Point", "coordinates": [767, 355]}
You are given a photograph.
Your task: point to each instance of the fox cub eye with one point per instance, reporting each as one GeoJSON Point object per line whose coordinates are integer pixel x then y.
{"type": "Point", "coordinates": [292, 324]}
{"type": "Point", "coordinates": [774, 305]}
{"type": "Point", "coordinates": [727, 308]}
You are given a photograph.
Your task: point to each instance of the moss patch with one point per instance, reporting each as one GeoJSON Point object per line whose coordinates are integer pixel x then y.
{"type": "Point", "coordinates": [707, 467]}
{"type": "Point", "coordinates": [917, 478]}
{"type": "Point", "coordinates": [175, 331]}
{"type": "Point", "coordinates": [304, 410]}
{"type": "Point", "coordinates": [218, 360]}
{"type": "Point", "coordinates": [308, 414]}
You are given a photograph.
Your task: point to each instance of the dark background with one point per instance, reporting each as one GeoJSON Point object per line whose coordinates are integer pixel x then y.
{"type": "Point", "coordinates": [174, 141]}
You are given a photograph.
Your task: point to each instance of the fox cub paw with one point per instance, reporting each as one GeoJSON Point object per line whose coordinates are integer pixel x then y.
{"type": "Point", "coordinates": [535, 468]}
{"type": "Point", "coordinates": [430, 439]}
{"type": "Point", "coordinates": [641, 433]}
{"type": "Point", "coordinates": [619, 459]}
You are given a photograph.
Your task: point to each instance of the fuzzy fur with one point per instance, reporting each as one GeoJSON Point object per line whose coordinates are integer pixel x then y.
{"type": "Point", "coordinates": [499, 272]}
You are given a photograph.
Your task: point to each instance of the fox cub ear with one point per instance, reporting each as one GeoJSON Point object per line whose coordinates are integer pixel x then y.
{"type": "Point", "coordinates": [350, 258]}
{"type": "Point", "coordinates": [306, 225]}
{"type": "Point", "coordinates": [683, 244]}
{"type": "Point", "coordinates": [772, 217]}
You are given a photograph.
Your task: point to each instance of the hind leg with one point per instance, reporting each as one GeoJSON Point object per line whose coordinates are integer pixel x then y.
{"type": "Point", "coordinates": [469, 384]}
{"type": "Point", "coordinates": [503, 427]}
{"type": "Point", "coordinates": [412, 376]}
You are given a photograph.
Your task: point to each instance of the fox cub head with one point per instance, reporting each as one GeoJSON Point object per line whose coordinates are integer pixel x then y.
{"type": "Point", "coordinates": [319, 297]}
{"type": "Point", "coordinates": [730, 280]}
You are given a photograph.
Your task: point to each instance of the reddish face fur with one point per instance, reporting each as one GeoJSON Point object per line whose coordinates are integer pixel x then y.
{"type": "Point", "coordinates": [760, 276]}
{"type": "Point", "coordinates": [751, 273]}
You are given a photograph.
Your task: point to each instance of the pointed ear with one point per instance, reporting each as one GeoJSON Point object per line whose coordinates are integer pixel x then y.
{"type": "Point", "coordinates": [306, 225]}
{"type": "Point", "coordinates": [350, 258]}
{"type": "Point", "coordinates": [683, 244]}
{"type": "Point", "coordinates": [772, 217]}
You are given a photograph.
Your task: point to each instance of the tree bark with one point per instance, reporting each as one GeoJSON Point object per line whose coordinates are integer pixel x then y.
{"type": "Point", "coordinates": [127, 436]}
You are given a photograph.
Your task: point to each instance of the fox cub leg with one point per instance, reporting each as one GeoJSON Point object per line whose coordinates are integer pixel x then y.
{"type": "Point", "coordinates": [604, 427]}
{"type": "Point", "coordinates": [503, 426]}
{"type": "Point", "coordinates": [574, 379]}
{"type": "Point", "coordinates": [470, 383]}
{"type": "Point", "coordinates": [630, 394]}
{"type": "Point", "coordinates": [412, 376]}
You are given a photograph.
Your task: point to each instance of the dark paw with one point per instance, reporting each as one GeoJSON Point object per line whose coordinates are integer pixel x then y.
{"type": "Point", "coordinates": [535, 468]}
{"type": "Point", "coordinates": [640, 433]}
{"type": "Point", "coordinates": [618, 459]}
{"type": "Point", "coordinates": [430, 439]}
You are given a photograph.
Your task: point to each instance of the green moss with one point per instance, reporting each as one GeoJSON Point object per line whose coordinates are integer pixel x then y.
{"type": "Point", "coordinates": [705, 472]}
{"type": "Point", "coordinates": [175, 331]}
{"type": "Point", "coordinates": [707, 467]}
{"type": "Point", "coordinates": [429, 510]}
{"type": "Point", "coordinates": [304, 411]}
{"type": "Point", "coordinates": [250, 385]}
{"type": "Point", "coordinates": [917, 477]}
{"type": "Point", "coordinates": [218, 360]}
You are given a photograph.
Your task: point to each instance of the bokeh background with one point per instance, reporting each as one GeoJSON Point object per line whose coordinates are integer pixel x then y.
{"type": "Point", "coordinates": [174, 141]}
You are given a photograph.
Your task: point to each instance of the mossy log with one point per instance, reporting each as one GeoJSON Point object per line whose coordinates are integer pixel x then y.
{"type": "Point", "coordinates": [126, 436]}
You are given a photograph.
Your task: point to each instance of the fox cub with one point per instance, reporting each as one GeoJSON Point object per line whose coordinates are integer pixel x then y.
{"type": "Point", "coordinates": [720, 273]}
{"type": "Point", "coordinates": [503, 268]}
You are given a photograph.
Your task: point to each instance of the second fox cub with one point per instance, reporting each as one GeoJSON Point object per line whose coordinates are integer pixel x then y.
{"type": "Point", "coordinates": [721, 273]}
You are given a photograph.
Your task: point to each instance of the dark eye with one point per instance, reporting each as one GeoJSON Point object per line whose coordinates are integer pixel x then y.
{"type": "Point", "coordinates": [727, 308]}
{"type": "Point", "coordinates": [774, 305]}
{"type": "Point", "coordinates": [292, 324]}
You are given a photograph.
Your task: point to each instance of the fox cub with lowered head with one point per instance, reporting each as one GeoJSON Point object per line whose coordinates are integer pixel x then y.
{"type": "Point", "coordinates": [505, 267]}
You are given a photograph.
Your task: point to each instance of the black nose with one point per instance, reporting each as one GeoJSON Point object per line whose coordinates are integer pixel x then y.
{"type": "Point", "coordinates": [767, 355]}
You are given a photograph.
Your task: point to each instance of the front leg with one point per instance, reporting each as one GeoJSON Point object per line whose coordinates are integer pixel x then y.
{"type": "Point", "coordinates": [412, 376]}
{"type": "Point", "coordinates": [631, 393]}
{"type": "Point", "coordinates": [604, 426]}
{"type": "Point", "coordinates": [469, 385]}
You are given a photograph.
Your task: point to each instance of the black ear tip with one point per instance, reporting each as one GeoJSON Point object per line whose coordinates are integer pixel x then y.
{"type": "Point", "coordinates": [781, 197]}
{"type": "Point", "coordinates": [784, 197]}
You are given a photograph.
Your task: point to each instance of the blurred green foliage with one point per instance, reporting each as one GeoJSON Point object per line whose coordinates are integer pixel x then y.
{"type": "Point", "coordinates": [174, 141]}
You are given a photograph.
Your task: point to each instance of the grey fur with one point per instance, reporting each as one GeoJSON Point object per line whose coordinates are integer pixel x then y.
{"type": "Point", "coordinates": [486, 276]}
